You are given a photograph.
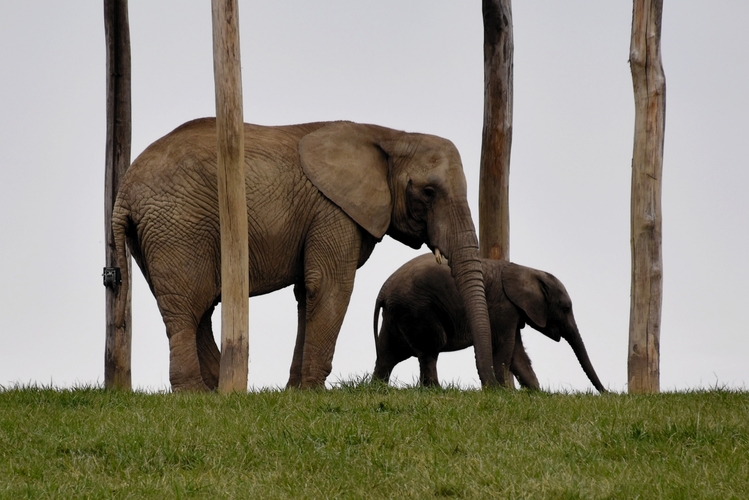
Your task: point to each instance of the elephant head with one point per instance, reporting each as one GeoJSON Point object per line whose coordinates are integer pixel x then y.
{"type": "Point", "coordinates": [411, 187]}
{"type": "Point", "coordinates": [548, 309]}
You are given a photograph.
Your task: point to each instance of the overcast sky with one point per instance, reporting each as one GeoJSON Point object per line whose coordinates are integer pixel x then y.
{"type": "Point", "coordinates": [411, 65]}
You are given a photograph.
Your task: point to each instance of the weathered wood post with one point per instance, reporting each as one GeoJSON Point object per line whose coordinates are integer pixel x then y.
{"type": "Point", "coordinates": [494, 209]}
{"type": "Point", "coordinates": [643, 364]}
{"type": "Point", "coordinates": [494, 177]}
{"type": "Point", "coordinates": [117, 33]}
{"type": "Point", "coordinates": [231, 196]}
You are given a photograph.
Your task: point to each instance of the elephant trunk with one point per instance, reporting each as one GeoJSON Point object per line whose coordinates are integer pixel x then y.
{"type": "Point", "coordinates": [578, 347]}
{"type": "Point", "coordinates": [466, 269]}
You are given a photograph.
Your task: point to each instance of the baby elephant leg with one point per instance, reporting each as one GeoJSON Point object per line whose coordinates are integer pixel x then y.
{"type": "Point", "coordinates": [391, 344]}
{"type": "Point", "coordinates": [391, 350]}
{"type": "Point", "coordinates": [521, 365]}
{"type": "Point", "coordinates": [407, 331]}
{"type": "Point", "coordinates": [503, 353]}
{"type": "Point", "coordinates": [428, 370]}
{"type": "Point", "coordinates": [426, 337]}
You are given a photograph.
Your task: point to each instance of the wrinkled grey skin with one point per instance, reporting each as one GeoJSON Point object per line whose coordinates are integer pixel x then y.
{"type": "Point", "coordinates": [423, 315]}
{"type": "Point", "coordinates": [319, 196]}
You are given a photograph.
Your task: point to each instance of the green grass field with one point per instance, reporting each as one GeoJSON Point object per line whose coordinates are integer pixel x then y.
{"type": "Point", "coordinates": [372, 441]}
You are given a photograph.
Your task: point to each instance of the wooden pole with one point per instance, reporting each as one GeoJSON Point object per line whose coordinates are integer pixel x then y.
{"type": "Point", "coordinates": [494, 177]}
{"type": "Point", "coordinates": [231, 197]}
{"type": "Point", "coordinates": [117, 34]}
{"type": "Point", "coordinates": [649, 84]}
{"type": "Point", "coordinates": [494, 208]}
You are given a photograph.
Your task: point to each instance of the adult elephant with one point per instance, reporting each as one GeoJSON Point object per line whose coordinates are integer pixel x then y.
{"type": "Point", "coordinates": [319, 197]}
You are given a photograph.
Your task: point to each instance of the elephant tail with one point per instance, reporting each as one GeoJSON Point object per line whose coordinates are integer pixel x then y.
{"type": "Point", "coordinates": [120, 223]}
{"type": "Point", "coordinates": [379, 303]}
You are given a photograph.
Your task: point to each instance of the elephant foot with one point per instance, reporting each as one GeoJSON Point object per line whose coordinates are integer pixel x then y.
{"type": "Point", "coordinates": [184, 364]}
{"type": "Point", "coordinates": [209, 356]}
{"type": "Point", "coordinates": [505, 379]}
{"type": "Point", "coordinates": [428, 370]}
{"type": "Point", "coordinates": [193, 386]}
{"type": "Point", "coordinates": [298, 382]}
{"type": "Point", "coordinates": [312, 384]}
{"type": "Point", "coordinates": [379, 378]}
{"type": "Point", "coordinates": [384, 366]}
{"type": "Point", "coordinates": [294, 383]}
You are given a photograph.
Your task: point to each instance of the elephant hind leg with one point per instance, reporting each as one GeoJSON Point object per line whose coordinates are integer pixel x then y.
{"type": "Point", "coordinates": [295, 372]}
{"type": "Point", "coordinates": [386, 362]}
{"type": "Point", "coordinates": [391, 348]}
{"type": "Point", "coordinates": [183, 276]}
{"type": "Point", "coordinates": [209, 355]}
{"type": "Point", "coordinates": [428, 370]}
{"type": "Point", "coordinates": [382, 370]}
{"type": "Point", "coordinates": [182, 330]}
{"type": "Point", "coordinates": [184, 366]}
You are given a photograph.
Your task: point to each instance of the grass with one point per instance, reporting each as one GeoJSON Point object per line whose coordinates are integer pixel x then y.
{"type": "Point", "coordinates": [371, 441]}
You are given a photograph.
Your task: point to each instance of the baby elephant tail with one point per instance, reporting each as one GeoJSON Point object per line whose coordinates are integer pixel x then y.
{"type": "Point", "coordinates": [379, 303]}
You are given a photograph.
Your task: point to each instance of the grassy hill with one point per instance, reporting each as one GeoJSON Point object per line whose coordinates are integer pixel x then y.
{"type": "Point", "coordinates": [372, 441]}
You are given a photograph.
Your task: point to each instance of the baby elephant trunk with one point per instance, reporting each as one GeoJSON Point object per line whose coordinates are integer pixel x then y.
{"type": "Point", "coordinates": [578, 347]}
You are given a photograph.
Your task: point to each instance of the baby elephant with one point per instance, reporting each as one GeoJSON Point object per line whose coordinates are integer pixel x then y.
{"type": "Point", "coordinates": [423, 315]}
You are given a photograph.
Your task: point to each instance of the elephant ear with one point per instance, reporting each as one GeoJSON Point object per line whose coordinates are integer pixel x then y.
{"type": "Point", "coordinates": [524, 289]}
{"type": "Point", "coordinates": [343, 161]}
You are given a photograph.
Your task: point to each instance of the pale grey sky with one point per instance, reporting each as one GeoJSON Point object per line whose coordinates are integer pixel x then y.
{"type": "Point", "coordinates": [412, 65]}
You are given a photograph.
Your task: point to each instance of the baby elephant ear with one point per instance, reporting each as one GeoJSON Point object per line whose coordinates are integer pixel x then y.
{"type": "Point", "coordinates": [527, 292]}
{"type": "Point", "coordinates": [343, 161]}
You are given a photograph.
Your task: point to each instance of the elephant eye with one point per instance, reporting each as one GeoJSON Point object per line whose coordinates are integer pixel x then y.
{"type": "Point", "coordinates": [429, 193]}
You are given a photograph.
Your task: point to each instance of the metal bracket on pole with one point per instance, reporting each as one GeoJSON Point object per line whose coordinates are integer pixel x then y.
{"type": "Point", "coordinates": [112, 277]}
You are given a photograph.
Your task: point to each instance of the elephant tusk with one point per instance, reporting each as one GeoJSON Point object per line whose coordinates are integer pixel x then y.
{"type": "Point", "coordinates": [438, 256]}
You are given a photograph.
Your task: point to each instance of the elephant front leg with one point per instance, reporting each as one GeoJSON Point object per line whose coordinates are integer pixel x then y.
{"type": "Point", "coordinates": [331, 256]}
{"type": "Point", "coordinates": [502, 354]}
{"type": "Point", "coordinates": [326, 308]}
{"type": "Point", "coordinates": [521, 365]}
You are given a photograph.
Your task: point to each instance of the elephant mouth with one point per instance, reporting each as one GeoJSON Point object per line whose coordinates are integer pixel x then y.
{"type": "Point", "coordinates": [414, 242]}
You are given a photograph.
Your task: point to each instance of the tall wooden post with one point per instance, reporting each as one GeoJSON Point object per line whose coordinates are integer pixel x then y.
{"type": "Point", "coordinates": [117, 34]}
{"type": "Point", "coordinates": [643, 364]}
{"type": "Point", "coordinates": [494, 208]}
{"type": "Point", "coordinates": [231, 198]}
